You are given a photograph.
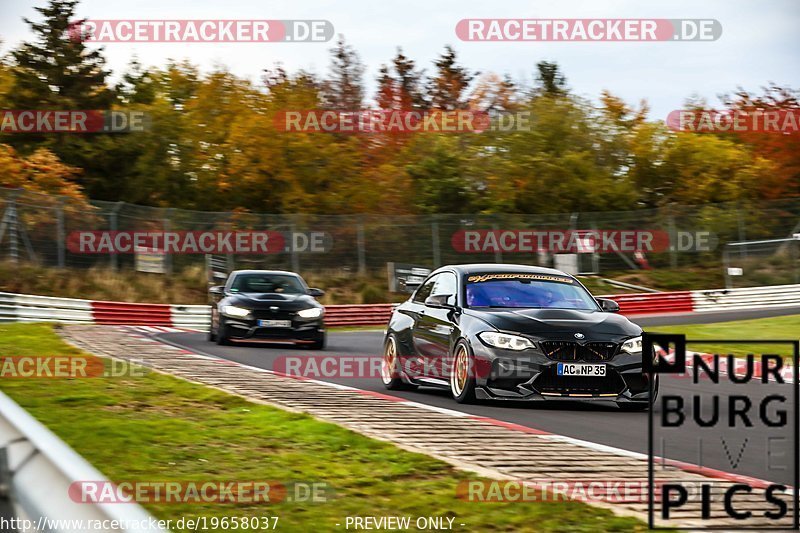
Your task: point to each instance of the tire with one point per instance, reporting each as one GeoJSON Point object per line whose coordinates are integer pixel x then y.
{"type": "Point", "coordinates": [462, 374]}
{"type": "Point", "coordinates": [212, 337]}
{"type": "Point", "coordinates": [390, 374]}
{"type": "Point", "coordinates": [319, 344]}
{"type": "Point", "coordinates": [222, 333]}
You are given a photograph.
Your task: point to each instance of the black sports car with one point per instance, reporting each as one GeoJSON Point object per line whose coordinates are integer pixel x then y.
{"type": "Point", "coordinates": [266, 305]}
{"type": "Point", "coordinates": [512, 332]}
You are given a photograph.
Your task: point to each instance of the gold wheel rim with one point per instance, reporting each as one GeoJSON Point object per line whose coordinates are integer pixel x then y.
{"type": "Point", "coordinates": [389, 359]}
{"type": "Point", "coordinates": [461, 371]}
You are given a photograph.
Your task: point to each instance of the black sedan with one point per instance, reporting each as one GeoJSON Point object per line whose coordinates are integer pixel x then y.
{"type": "Point", "coordinates": [512, 332]}
{"type": "Point", "coordinates": [266, 305]}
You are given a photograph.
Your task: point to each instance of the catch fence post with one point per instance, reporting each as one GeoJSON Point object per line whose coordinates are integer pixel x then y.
{"type": "Point", "coordinates": [60, 234]}
{"type": "Point", "coordinates": [362, 257]}
{"type": "Point", "coordinates": [113, 226]}
{"type": "Point", "coordinates": [437, 254]}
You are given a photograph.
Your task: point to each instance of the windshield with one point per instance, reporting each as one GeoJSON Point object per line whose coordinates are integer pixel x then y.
{"type": "Point", "coordinates": [527, 291]}
{"type": "Point", "coordinates": [273, 283]}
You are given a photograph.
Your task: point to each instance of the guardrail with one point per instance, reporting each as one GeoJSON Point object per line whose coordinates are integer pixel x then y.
{"type": "Point", "coordinates": [38, 476]}
{"type": "Point", "coordinates": [654, 303]}
{"type": "Point", "coordinates": [358, 315]}
{"type": "Point", "coordinates": [30, 308]}
{"type": "Point", "coordinates": [722, 299]}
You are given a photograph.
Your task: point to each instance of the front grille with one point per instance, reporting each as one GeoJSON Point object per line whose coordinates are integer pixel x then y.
{"type": "Point", "coordinates": [280, 314]}
{"type": "Point", "coordinates": [550, 382]}
{"type": "Point", "coordinates": [573, 351]}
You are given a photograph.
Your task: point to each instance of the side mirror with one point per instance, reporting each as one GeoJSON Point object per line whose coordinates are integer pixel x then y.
{"type": "Point", "coordinates": [217, 290]}
{"type": "Point", "coordinates": [439, 300]}
{"type": "Point", "coordinates": [316, 293]}
{"type": "Point", "coordinates": [609, 306]}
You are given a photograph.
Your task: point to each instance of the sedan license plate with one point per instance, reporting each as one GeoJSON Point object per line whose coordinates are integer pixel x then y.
{"type": "Point", "coordinates": [275, 323]}
{"type": "Point", "coordinates": [583, 370]}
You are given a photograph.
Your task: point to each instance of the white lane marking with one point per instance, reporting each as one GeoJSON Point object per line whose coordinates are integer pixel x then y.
{"type": "Point", "coordinates": [442, 410]}
{"type": "Point", "coordinates": [595, 446]}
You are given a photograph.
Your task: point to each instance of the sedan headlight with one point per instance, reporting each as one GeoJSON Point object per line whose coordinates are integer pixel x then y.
{"type": "Point", "coordinates": [312, 312]}
{"type": "Point", "coordinates": [232, 310]}
{"type": "Point", "coordinates": [505, 341]}
{"type": "Point", "coordinates": [632, 345]}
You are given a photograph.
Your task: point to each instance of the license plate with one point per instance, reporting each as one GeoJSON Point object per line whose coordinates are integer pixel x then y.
{"type": "Point", "coordinates": [275, 323]}
{"type": "Point", "coordinates": [583, 370]}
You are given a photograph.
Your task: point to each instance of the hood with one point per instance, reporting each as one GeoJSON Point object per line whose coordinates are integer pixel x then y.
{"type": "Point", "coordinates": [254, 300]}
{"type": "Point", "coordinates": [559, 323]}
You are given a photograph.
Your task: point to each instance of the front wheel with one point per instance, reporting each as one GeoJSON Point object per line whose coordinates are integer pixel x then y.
{"type": "Point", "coordinates": [462, 374]}
{"type": "Point", "coordinates": [319, 344]}
{"type": "Point", "coordinates": [212, 337]}
{"type": "Point", "coordinates": [390, 367]}
{"type": "Point", "coordinates": [222, 333]}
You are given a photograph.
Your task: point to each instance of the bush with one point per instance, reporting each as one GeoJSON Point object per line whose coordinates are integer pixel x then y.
{"type": "Point", "coordinates": [371, 294]}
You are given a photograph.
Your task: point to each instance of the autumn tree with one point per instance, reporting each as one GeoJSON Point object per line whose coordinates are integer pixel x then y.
{"type": "Point", "coordinates": [56, 70]}
{"type": "Point", "coordinates": [344, 88]}
{"type": "Point", "coordinates": [449, 86]}
{"type": "Point", "coordinates": [549, 80]}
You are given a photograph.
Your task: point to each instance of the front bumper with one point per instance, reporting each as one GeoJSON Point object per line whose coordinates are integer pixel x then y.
{"type": "Point", "coordinates": [302, 331]}
{"type": "Point", "coordinates": [531, 376]}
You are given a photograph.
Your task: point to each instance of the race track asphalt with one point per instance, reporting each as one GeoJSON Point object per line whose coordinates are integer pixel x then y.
{"type": "Point", "coordinates": [758, 451]}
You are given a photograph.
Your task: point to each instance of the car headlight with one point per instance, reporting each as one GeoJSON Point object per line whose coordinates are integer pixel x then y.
{"type": "Point", "coordinates": [632, 345]}
{"type": "Point", "coordinates": [312, 312]}
{"type": "Point", "coordinates": [505, 341]}
{"type": "Point", "coordinates": [232, 310]}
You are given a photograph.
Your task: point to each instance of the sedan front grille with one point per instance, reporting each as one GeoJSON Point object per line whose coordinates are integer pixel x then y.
{"type": "Point", "coordinates": [573, 351]}
{"type": "Point", "coordinates": [279, 314]}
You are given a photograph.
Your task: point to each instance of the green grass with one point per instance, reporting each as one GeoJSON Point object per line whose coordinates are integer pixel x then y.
{"type": "Point", "coordinates": [775, 328]}
{"type": "Point", "coordinates": [157, 427]}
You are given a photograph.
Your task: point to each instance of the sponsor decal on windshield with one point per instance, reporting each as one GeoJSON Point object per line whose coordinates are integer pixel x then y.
{"type": "Point", "coordinates": [479, 278]}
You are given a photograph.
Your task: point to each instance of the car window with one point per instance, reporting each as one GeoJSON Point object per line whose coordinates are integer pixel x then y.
{"type": "Point", "coordinates": [267, 283]}
{"type": "Point", "coordinates": [446, 284]}
{"type": "Point", "coordinates": [526, 290]}
{"type": "Point", "coordinates": [425, 290]}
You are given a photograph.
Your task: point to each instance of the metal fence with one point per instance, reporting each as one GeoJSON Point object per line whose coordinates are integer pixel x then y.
{"type": "Point", "coordinates": [35, 227]}
{"type": "Point", "coordinates": [762, 262]}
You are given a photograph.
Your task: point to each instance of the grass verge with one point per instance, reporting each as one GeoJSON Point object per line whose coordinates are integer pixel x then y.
{"type": "Point", "coordinates": [780, 328]}
{"type": "Point", "coordinates": [157, 427]}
